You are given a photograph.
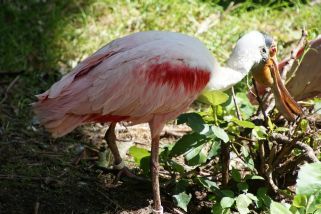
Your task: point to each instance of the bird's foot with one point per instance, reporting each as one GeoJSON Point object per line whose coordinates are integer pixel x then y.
{"type": "Point", "coordinates": [124, 171]}
{"type": "Point", "coordinates": [159, 211]}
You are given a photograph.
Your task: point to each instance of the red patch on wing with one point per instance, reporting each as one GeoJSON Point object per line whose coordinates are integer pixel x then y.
{"type": "Point", "coordinates": [175, 75]}
{"type": "Point", "coordinates": [98, 118]}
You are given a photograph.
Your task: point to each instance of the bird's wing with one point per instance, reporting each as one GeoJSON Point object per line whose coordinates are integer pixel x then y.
{"type": "Point", "coordinates": [136, 76]}
{"type": "Point", "coordinates": [152, 78]}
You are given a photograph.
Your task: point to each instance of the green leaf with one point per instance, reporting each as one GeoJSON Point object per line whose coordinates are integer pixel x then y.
{"type": "Point", "coordinates": [263, 197]}
{"type": "Point", "coordinates": [144, 164]}
{"type": "Point", "coordinates": [246, 108]}
{"type": "Point", "coordinates": [228, 193]}
{"type": "Point", "coordinates": [227, 202]}
{"type": "Point", "coordinates": [193, 152]}
{"type": "Point", "coordinates": [317, 105]}
{"type": "Point", "coordinates": [259, 132]}
{"type": "Point", "coordinates": [242, 204]}
{"type": "Point", "coordinates": [193, 120]}
{"type": "Point", "coordinates": [217, 209]}
{"type": "Point", "coordinates": [271, 124]}
{"type": "Point", "coordinates": [281, 129]}
{"type": "Point", "coordinates": [187, 143]}
{"type": "Point", "coordinates": [300, 201]}
{"type": "Point", "coordinates": [182, 199]}
{"type": "Point", "coordinates": [215, 149]}
{"type": "Point", "coordinates": [253, 177]}
{"type": "Point", "coordinates": [245, 151]}
{"type": "Point", "coordinates": [200, 158]}
{"type": "Point", "coordinates": [309, 179]}
{"type": "Point", "coordinates": [251, 196]}
{"type": "Point", "coordinates": [243, 123]}
{"type": "Point", "coordinates": [138, 153]}
{"type": "Point", "coordinates": [213, 97]}
{"type": "Point", "coordinates": [236, 175]}
{"type": "Point", "coordinates": [243, 187]}
{"type": "Point", "coordinates": [209, 185]}
{"type": "Point", "coordinates": [181, 186]}
{"type": "Point", "coordinates": [276, 208]}
{"type": "Point", "coordinates": [304, 125]}
{"type": "Point", "coordinates": [220, 133]}
{"type": "Point", "coordinates": [176, 166]}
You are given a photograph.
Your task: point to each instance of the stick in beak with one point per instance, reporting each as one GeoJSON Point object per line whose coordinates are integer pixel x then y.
{"type": "Point", "coordinates": [269, 76]}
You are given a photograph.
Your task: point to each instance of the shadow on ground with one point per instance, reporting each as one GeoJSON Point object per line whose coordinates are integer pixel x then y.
{"type": "Point", "coordinates": [36, 173]}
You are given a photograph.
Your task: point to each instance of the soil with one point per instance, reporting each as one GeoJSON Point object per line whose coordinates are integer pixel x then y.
{"type": "Point", "coordinates": [38, 174]}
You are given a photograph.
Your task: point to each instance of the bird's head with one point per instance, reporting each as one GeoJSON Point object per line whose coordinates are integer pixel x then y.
{"type": "Point", "coordinates": [251, 50]}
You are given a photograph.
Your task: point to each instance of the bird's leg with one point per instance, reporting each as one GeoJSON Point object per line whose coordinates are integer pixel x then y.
{"type": "Point", "coordinates": [110, 138]}
{"type": "Point", "coordinates": [157, 207]}
{"type": "Point", "coordinates": [156, 127]}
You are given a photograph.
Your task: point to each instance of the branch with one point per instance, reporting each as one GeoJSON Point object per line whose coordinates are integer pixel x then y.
{"type": "Point", "coordinates": [294, 54]}
{"type": "Point", "coordinates": [236, 106]}
{"type": "Point", "coordinates": [8, 89]}
{"type": "Point", "coordinates": [308, 152]}
{"type": "Point", "coordinates": [259, 100]}
{"type": "Point", "coordinates": [225, 157]}
{"type": "Point", "coordinates": [11, 73]}
{"type": "Point", "coordinates": [289, 144]}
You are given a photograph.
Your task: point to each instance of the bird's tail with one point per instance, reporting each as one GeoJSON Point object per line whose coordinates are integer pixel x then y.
{"type": "Point", "coordinates": [54, 118]}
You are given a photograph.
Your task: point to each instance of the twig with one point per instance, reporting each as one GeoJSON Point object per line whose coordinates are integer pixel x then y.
{"type": "Point", "coordinates": [290, 165]}
{"type": "Point", "coordinates": [225, 157]}
{"type": "Point", "coordinates": [20, 177]}
{"type": "Point", "coordinates": [308, 152]}
{"type": "Point", "coordinates": [259, 100]}
{"type": "Point", "coordinates": [37, 204]}
{"type": "Point", "coordinates": [294, 53]}
{"type": "Point", "coordinates": [262, 157]}
{"type": "Point", "coordinates": [177, 211]}
{"type": "Point", "coordinates": [241, 137]}
{"type": "Point", "coordinates": [11, 73]}
{"type": "Point", "coordinates": [8, 89]}
{"type": "Point", "coordinates": [236, 106]}
{"type": "Point", "coordinates": [117, 206]}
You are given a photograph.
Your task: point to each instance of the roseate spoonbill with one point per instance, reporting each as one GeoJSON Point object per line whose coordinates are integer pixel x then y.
{"type": "Point", "coordinates": [144, 77]}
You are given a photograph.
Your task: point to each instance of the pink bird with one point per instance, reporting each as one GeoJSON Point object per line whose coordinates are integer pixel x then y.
{"type": "Point", "coordinates": [147, 77]}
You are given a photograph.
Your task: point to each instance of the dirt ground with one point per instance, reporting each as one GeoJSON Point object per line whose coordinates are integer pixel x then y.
{"type": "Point", "coordinates": [38, 174]}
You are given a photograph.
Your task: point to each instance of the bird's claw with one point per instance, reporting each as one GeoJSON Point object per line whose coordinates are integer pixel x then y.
{"type": "Point", "coordinates": [124, 171]}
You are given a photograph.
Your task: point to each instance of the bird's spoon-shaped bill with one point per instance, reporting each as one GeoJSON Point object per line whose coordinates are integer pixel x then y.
{"type": "Point", "coordinates": [284, 102]}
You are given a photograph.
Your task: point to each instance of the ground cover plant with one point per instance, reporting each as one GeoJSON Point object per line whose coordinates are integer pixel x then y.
{"type": "Point", "coordinates": [224, 164]}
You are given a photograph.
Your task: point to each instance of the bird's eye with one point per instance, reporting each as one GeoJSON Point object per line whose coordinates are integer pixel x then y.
{"type": "Point", "coordinates": [263, 50]}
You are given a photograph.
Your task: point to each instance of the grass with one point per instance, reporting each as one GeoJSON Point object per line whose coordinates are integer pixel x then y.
{"type": "Point", "coordinates": [44, 39]}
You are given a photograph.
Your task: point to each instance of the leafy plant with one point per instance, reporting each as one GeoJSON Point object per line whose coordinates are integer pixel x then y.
{"type": "Point", "coordinates": [249, 155]}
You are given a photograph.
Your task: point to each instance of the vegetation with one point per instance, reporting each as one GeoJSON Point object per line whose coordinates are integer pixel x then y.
{"type": "Point", "coordinates": [42, 40]}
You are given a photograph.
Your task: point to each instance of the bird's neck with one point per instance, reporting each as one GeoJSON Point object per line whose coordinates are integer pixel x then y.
{"type": "Point", "coordinates": [224, 78]}
{"type": "Point", "coordinates": [240, 63]}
